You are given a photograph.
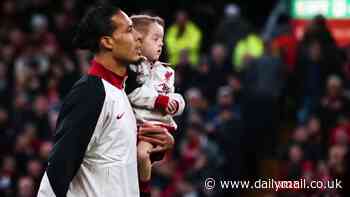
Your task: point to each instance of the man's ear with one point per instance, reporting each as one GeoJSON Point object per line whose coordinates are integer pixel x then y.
{"type": "Point", "coordinates": [106, 42]}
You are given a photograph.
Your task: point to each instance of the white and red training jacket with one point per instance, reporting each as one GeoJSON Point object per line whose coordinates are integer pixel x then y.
{"type": "Point", "coordinates": [153, 89]}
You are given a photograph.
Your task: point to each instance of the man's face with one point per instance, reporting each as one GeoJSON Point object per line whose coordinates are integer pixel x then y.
{"type": "Point", "coordinates": [126, 41]}
{"type": "Point", "coordinates": [218, 53]}
{"type": "Point", "coordinates": [334, 87]}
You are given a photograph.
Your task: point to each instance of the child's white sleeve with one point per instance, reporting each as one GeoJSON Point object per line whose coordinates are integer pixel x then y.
{"type": "Point", "coordinates": [143, 97]}
{"type": "Point", "coordinates": [175, 96]}
{"type": "Point", "coordinates": [172, 82]}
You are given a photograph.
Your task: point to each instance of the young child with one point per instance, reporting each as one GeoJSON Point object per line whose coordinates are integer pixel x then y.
{"type": "Point", "coordinates": [150, 89]}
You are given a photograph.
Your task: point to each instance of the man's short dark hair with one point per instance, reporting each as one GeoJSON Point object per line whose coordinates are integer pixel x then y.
{"type": "Point", "coordinates": [95, 24]}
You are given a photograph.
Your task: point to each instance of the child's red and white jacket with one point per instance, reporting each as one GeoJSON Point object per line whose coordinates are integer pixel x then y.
{"type": "Point", "coordinates": [152, 92]}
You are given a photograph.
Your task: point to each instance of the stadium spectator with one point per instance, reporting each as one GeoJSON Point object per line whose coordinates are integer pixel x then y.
{"type": "Point", "coordinates": [184, 35]}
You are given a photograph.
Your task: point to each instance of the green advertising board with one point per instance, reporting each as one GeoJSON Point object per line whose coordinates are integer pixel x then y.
{"type": "Point", "coordinates": [332, 9]}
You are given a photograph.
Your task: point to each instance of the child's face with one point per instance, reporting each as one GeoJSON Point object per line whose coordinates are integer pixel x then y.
{"type": "Point", "coordinates": [153, 42]}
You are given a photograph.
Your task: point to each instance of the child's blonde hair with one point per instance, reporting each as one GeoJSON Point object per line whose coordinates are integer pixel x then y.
{"type": "Point", "coordinates": [141, 22]}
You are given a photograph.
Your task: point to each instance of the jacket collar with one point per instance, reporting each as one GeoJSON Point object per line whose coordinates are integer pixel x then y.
{"type": "Point", "coordinates": [97, 69]}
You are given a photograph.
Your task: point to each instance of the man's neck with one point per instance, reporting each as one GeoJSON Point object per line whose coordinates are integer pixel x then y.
{"type": "Point", "coordinates": [111, 64]}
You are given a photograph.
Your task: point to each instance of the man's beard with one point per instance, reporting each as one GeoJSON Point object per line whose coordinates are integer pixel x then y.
{"type": "Point", "coordinates": [140, 60]}
{"type": "Point", "coordinates": [134, 62]}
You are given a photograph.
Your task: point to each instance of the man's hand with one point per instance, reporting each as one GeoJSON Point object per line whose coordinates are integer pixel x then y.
{"type": "Point", "coordinates": [156, 135]}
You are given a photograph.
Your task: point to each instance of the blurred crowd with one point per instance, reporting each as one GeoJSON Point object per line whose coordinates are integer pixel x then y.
{"type": "Point", "coordinates": [242, 92]}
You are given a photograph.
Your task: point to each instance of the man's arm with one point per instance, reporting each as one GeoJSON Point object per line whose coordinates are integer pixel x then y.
{"type": "Point", "coordinates": [76, 124]}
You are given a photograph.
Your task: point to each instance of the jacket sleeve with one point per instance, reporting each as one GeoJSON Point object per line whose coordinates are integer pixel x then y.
{"type": "Point", "coordinates": [143, 96]}
{"type": "Point", "coordinates": [76, 124]}
{"type": "Point", "coordinates": [139, 92]}
{"type": "Point", "coordinates": [175, 96]}
{"type": "Point", "coordinates": [180, 101]}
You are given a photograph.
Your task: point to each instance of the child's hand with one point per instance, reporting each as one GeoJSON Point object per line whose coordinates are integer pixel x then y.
{"type": "Point", "coordinates": [173, 106]}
